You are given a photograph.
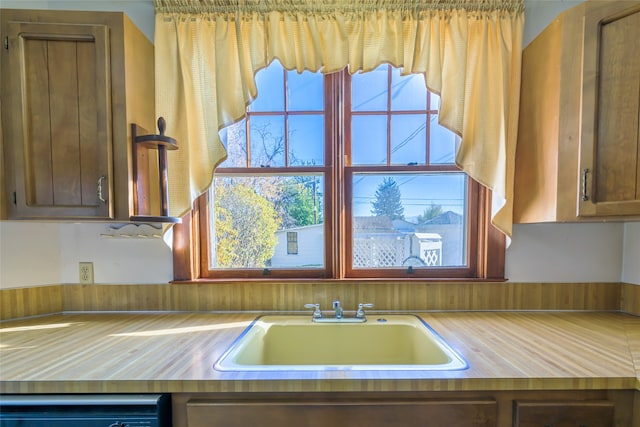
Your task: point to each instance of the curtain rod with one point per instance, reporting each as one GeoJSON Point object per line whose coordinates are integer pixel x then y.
{"type": "Point", "coordinates": [333, 6]}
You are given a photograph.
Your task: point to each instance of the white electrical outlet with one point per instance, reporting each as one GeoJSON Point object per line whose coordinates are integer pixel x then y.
{"type": "Point", "coordinates": [86, 273]}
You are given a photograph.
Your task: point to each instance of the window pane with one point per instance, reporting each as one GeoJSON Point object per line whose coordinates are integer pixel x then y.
{"type": "Point", "coordinates": [408, 139]}
{"type": "Point", "coordinates": [270, 83]}
{"type": "Point", "coordinates": [234, 140]}
{"type": "Point", "coordinates": [369, 140]}
{"type": "Point", "coordinates": [267, 141]}
{"type": "Point", "coordinates": [408, 92]}
{"type": "Point", "coordinates": [306, 140]}
{"type": "Point", "coordinates": [399, 216]}
{"type": "Point", "coordinates": [434, 101]}
{"type": "Point", "coordinates": [369, 90]}
{"type": "Point", "coordinates": [305, 91]}
{"type": "Point", "coordinates": [253, 215]}
{"type": "Point", "coordinates": [443, 144]}
{"type": "Point", "coordinates": [402, 220]}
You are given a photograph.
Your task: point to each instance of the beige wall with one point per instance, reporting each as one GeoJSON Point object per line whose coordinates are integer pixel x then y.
{"type": "Point", "coordinates": [48, 253]}
{"type": "Point", "coordinates": [631, 260]}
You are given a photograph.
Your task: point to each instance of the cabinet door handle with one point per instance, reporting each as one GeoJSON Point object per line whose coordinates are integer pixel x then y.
{"type": "Point", "coordinates": [100, 197]}
{"type": "Point", "coordinates": [585, 196]}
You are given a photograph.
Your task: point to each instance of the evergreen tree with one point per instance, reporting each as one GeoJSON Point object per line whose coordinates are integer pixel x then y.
{"type": "Point", "coordinates": [388, 200]}
{"type": "Point", "coordinates": [429, 213]}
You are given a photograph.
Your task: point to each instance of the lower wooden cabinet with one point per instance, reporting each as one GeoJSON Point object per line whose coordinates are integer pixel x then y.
{"type": "Point", "coordinates": [524, 408]}
{"type": "Point", "coordinates": [563, 414]}
{"type": "Point", "coordinates": [457, 413]}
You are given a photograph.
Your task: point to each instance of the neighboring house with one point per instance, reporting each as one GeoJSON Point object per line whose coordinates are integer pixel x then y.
{"type": "Point", "coordinates": [404, 225]}
{"type": "Point", "coordinates": [379, 242]}
{"type": "Point", "coordinates": [299, 247]}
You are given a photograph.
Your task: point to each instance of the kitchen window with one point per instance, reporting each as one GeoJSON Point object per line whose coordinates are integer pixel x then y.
{"type": "Point", "coordinates": [358, 169]}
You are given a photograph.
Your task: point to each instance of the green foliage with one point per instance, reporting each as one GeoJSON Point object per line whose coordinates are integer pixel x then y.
{"type": "Point", "coordinates": [245, 227]}
{"type": "Point", "coordinates": [298, 206]}
{"type": "Point", "coordinates": [388, 200]}
{"type": "Point", "coordinates": [431, 212]}
{"type": "Point", "coordinates": [226, 237]}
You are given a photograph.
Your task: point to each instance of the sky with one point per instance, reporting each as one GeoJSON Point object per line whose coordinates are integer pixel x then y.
{"type": "Point", "coordinates": [369, 133]}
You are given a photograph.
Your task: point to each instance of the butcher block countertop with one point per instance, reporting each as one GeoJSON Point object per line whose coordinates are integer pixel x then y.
{"type": "Point", "coordinates": [175, 352]}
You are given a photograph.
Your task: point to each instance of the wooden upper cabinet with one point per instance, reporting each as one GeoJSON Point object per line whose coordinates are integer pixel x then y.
{"type": "Point", "coordinates": [579, 109]}
{"type": "Point", "coordinates": [60, 77]}
{"type": "Point", "coordinates": [72, 83]}
{"type": "Point", "coordinates": [610, 143]}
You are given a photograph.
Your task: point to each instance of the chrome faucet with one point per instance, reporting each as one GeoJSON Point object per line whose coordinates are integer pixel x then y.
{"type": "Point", "coordinates": [360, 312]}
{"type": "Point", "coordinates": [338, 308]}
{"type": "Point", "coordinates": [339, 313]}
{"type": "Point", "coordinates": [317, 313]}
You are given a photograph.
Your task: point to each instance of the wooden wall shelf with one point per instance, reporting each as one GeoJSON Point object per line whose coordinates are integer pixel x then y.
{"type": "Point", "coordinates": [149, 192]}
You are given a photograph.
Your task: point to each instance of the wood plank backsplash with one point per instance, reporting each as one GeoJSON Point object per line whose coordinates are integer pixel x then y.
{"type": "Point", "coordinates": [286, 296]}
{"type": "Point", "coordinates": [630, 298]}
{"type": "Point", "coordinates": [32, 301]}
{"type": "Point", "coordinates": [243, 296]}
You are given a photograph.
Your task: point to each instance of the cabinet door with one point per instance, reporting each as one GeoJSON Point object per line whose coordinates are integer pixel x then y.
{"type": "Point", "coordinates": [59, 119]}
{"type": "Point", "coordinates": [563, 414]}
{"type": "Point", "coordinates": [610, 144]}
{"type": "Point", "coordinates": [464, 413]}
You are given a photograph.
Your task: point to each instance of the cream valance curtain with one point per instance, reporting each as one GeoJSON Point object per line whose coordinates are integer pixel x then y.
{"type": "Point", "coordinates": [207, 53]}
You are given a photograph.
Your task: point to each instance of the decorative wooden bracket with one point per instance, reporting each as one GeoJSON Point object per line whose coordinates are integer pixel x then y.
{"type": "Point", "coordinates": [146, 191]}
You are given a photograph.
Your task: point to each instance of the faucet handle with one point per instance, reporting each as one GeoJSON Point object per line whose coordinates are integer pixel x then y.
{"type": "Point", "coordinates": [361, 307]}
{"type": "Point", "coordinates": [317, 313]}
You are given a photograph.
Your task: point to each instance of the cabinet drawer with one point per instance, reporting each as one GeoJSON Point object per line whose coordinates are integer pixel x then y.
{"type": "Point", "coordinates": [563, 413]}
{"type": "Point", "coordinates": [456, 413]}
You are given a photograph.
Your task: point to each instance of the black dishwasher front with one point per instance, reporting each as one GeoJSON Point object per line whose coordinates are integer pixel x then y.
{"type": "Point", "coordinates": [84, 410]}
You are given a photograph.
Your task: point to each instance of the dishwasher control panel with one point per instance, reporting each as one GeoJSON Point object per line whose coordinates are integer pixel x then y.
{"type": "Point", "coordinates": [86, 410]}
